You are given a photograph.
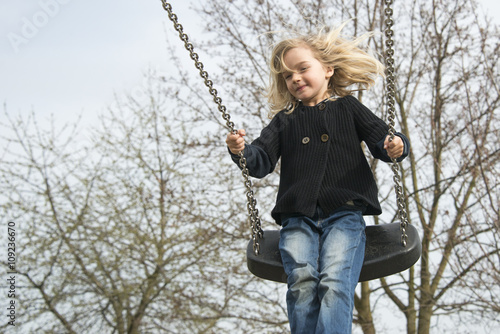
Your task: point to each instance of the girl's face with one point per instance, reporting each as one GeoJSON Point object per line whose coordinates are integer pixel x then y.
{"type": "Point", "coordinates": [308, 79]}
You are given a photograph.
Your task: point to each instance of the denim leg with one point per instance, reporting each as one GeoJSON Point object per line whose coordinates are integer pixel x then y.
{"type": "Point", "coordinates": [299, 247]}
{"type": "Point", "coordinates": [342, 247]}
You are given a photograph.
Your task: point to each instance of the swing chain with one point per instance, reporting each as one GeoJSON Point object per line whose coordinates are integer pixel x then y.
{"type": "Point", "coordinates": [253, 212]}
{"type": "Point", "coordinates": [391, 111]}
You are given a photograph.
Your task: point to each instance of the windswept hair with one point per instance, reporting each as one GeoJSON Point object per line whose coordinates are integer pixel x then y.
{"type": "Point", "coordinates": [352, 66]}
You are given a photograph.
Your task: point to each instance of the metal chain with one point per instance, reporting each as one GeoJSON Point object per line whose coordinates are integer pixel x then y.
{"type": "Point", "coordinates": [253, 213]}
{"type": "Point", "coordinates": [391, 111]}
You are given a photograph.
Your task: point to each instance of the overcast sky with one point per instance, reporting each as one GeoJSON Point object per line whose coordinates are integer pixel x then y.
{"type": "Point", "coordinates": [70, 57]}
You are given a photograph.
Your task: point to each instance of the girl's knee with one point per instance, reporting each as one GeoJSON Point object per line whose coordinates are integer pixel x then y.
{"type": "Point", "coordinates": [303, 279]}
{"type": "Point", "coordinates": [334, 292]}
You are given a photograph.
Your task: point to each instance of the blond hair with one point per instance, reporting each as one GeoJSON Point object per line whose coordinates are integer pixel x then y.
{"type": "Point", "coordinates": [352, 66]}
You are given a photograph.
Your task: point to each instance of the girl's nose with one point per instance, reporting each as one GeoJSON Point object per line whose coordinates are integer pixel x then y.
{"type": "Point", "coordinates": [296, 77]}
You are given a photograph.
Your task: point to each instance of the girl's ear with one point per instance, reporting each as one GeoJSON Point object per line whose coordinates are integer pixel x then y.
{"type": "Point", "coordinates": [329, 72]}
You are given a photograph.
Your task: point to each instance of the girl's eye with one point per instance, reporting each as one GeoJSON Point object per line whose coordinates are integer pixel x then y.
{"type": "Point", "coordinates": [303, 69]}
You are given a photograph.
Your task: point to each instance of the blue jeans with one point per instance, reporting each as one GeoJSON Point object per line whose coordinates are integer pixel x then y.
{"type": "Point", "coordinates": [322, 257]}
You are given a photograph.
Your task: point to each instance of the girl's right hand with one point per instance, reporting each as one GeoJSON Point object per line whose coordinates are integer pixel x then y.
{"type": "Point", "coordinates": [236, 142]}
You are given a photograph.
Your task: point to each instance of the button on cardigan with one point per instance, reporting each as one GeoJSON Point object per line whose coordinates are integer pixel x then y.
{"type": "Point", "coordinates": [328, 168]}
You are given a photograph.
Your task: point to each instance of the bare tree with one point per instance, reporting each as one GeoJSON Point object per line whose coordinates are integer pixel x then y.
{"type": "Point", "coordinates": [454, 76]}
{"type": "Point", "coordinates": [129, 232]}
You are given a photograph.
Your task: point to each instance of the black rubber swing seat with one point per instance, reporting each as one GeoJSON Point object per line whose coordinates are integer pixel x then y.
{"type": "Point", "coordinates": [384, 253]}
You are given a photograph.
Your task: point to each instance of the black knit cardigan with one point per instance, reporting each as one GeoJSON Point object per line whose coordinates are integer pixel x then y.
{"type": "Point", "coordinates": [322, 160]}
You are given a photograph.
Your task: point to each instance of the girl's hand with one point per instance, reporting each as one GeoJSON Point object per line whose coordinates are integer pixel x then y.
{"type": "Point", "coordinates": [236, 142]}
{"type": "Point", "coordinates": [395, 147]}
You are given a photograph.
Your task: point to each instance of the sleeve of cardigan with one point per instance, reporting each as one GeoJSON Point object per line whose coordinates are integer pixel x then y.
{"type": "Point", "coordinates": [264, 152]}
{"type": "Point", "coordinates": [257, 160]}
{"type": "Point", "coordinates": [373, 131]}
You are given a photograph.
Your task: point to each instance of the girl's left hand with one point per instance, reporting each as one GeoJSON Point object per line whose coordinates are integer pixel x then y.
{"type": "Point", "coordinates": [395, 147]}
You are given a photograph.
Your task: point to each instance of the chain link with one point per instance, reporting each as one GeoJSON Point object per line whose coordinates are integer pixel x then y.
{"type": "Point", "coordinates": [253, 213]}
{"type": "Point", "coordinates": [391, 112]}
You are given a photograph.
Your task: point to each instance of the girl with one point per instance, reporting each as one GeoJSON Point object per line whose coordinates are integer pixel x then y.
{"type": "Point", "coordinates": [326, 185]}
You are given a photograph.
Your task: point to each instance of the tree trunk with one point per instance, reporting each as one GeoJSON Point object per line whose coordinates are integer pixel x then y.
{"type": "Point", "coordinates": [365, 319]}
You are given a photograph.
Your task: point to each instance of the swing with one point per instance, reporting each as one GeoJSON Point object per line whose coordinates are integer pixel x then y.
{"type": "Point", "coordinates": [390, 248]}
